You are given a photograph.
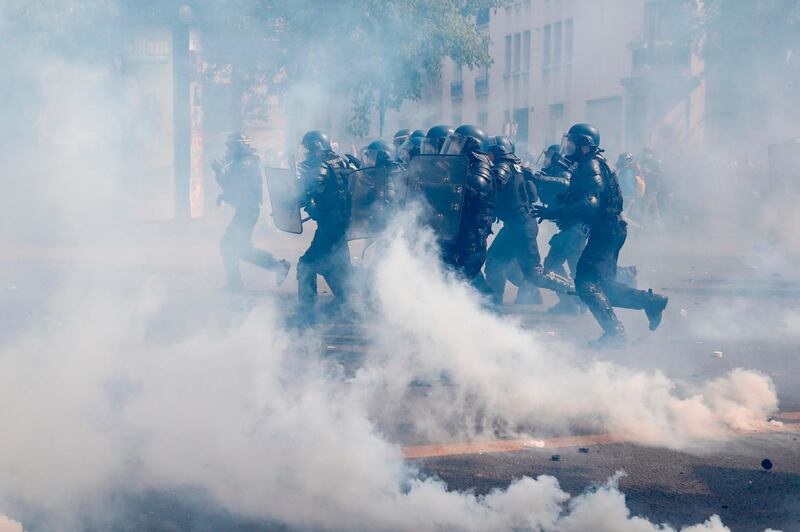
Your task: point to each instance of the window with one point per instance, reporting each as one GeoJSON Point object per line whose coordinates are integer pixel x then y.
{"type": "Point", "coordinates": [526, 51]}
{"type": "Point", "coordinates": [568, 41]}
{"type": "Point", "coordinates": [458, 73]}
{"type": "Point", "coordinates": [651, 23]}
{"type": "Point", "coordinates": [507, 70]}
{"type": "Point", "coordinates": [517, 49]}
{"type": "Point", "coordinates": [521, 119]}
{"type": "Point", "coordinates": [557, 43]}
{"type": "Point", "coordinates": [483, 120]}
{"type": "Point", "coordinates": [546, 47]}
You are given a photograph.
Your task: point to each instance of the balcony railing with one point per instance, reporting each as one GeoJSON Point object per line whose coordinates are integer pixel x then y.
{"type": "Point", "coordinates": [665, 56]}
{"type": "Point", "coordinates": [457, 89]}
{"type": "Point", "coordinates": [482, 85]}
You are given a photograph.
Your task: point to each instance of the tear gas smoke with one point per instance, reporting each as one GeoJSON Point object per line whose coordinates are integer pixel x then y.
{"type": "Point", "coordinates": [112, 390]}
{"type": "Point", "coordinates": [251, 414]}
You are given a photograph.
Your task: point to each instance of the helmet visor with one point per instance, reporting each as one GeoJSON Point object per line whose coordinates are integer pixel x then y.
{"type": "Point", "coordinates": [404, 152]}
{"type": "Point", "coordinates": [370, 158]}
{"type": "Point", "coordinates": [429, 146]}
{"type": "Point", "coordinates": [398, 141]}
{"type": "Point", "coordinates": [303, 153]}
{"type": "Point", "coordinates": [568, 147]}
{"type": "Point", "coordinates": [454, 145]}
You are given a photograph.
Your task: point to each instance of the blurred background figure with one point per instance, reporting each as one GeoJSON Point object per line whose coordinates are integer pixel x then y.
{"type": "Point", "coordinates": [240, 176]}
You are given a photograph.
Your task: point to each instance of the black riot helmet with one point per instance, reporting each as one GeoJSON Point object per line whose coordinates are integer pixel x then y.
{"type": "Point", "coordinates": [238, 142]}
{"type": "Point", "coordinates": [625, 159]}
{"type": "Point", "coordinates": [466, 138]}
{"type": "Point", "coordinates": [434, 139]}
{"type": "Point", "coordinates": [500, 145]}
{"type": "Point", "coordinates": [378, 153]}
{"type": "Point", "coordinates": [549, 156]}
{"type": "Point", "coordinates": [400, 137]}
{"type": "Point", "coordinates": [580, 136]}
{"type": "Point", "coordinates": [418, 133]}
{"type": "Point", "coordinates": [313, 143]}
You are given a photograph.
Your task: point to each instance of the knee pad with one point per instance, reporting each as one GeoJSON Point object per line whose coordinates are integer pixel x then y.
{"type": "Point", "coordinates": [586, 289]}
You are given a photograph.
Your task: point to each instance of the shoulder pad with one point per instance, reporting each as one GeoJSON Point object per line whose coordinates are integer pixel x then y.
{"type": "Point", "coordinates": [503, 171]}
{"type": "Point", "coordinates": [482, 157]}
{"type": "Point", "coordinates": [483, 171]}
{"type": "Point", "coordinates": [591, 166]}
{"type": "Point", "coordinates": [482, 183]}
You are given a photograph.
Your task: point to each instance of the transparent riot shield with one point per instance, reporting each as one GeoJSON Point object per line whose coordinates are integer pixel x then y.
{"type": "Point", "coordinates": [282, 187]}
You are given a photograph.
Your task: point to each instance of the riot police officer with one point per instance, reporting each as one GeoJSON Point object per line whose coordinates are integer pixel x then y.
{"type": "Point", "coordinates": [466, 254]}
{"type": "Point", "coordinates": [552, 181]}
{"type": "Point", "coordinates": [239, 175]}
{"type": "Point", "coordinates": [516, 241]}
{"type": "Point", "coordinates": [325, 197]}
{"type": "Point", "coordinates": [594, 199]}
{"type": "Point", "coordinates": [378, 153]}
{"type": "Point", "coordinates": [632, 186]}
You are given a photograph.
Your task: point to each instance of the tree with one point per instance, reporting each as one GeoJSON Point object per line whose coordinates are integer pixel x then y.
{"type": "Point", "coordinates": [378, 52]}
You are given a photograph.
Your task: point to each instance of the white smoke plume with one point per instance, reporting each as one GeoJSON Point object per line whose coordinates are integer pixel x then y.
{"type": "Point", "coordinates": [250, 414]}
{"type": "Point", "coordinates": [96, 401]}
{"type": "Point", "coordinates": [507, 379]}
{"type": "Point", "coordinates": [9, 525]}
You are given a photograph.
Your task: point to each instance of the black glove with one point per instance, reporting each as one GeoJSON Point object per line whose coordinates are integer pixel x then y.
{"type": "Point", "coordinates": [543, 212]}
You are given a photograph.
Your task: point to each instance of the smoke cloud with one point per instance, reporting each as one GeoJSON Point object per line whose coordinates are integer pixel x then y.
{"type": "Point", "coordinates": [121, 384]}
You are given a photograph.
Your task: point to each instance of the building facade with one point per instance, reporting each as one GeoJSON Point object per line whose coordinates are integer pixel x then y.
{"type": "Point", "coordinates": [558, 62]}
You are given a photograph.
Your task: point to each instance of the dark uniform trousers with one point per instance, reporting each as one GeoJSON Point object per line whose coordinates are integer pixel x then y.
{"type": "Point", "coordinates": [237, 245]}
{"type": "Point", "coordinates": [328, 256]}
{"type": "Point", "coordinates": [565, 248]}
{"type": "Point", "coordinates": [595, 279]}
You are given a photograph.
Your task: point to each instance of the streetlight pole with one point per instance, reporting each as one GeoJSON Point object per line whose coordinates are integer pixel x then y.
{"type": "Point", "coordinates": [182, 119]}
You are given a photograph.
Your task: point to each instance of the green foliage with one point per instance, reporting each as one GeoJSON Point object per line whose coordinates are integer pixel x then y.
{"type": "Point", "coordinates": [379, 52]}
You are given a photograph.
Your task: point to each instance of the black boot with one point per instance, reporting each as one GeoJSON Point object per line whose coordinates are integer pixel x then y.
{"type": "Point", "coordinates": [654, 309]}
{"type": "Point", "coordinates": [595, 299]}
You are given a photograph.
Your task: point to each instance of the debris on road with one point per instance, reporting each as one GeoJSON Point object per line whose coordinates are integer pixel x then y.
{"type": "Point", "coordinates": [684, 313]}
{"type": "Point", "coordinates": [772, 421]}
{"type": "Point", "coordinates": [766, 463]}
{"type": "Point", "coordinates": [717, 354]}
{"type": "Point", "coordinates": [555, 458]}
{"type": "Point", "coordinates": [584, 450]}
{"type": "Point", "coordinates": [536, 444]}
